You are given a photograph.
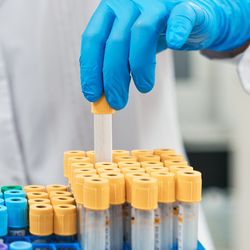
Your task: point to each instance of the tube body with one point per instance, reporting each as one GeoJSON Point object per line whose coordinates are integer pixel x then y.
{"type": "Point", "coordinates": [188, 226]}
{"type": "Point", "coordinates": [116, 227]}
{"type": "Point", "coordinates": [175, 224]}
{"type": "Point", "coordinates": [127, 224]}
{"type": "Point", "coordinates": [80, 224]}
{"type": "Point", "coordinates": [96, 233]}
{"type": "Point", "coordinates": [144, 230]}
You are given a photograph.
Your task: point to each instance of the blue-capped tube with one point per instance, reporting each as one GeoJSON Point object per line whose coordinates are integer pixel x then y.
{"type": "Point", "coordinates": [1, 201]}
{"type": "Point", "coordinates": [3, 221]}
{"type": "Point", "coordinates": [1, 195]}
{"type": "Point", "coordinates": [20, 245]}
{"type": "Point", "coordinates": [17, 215]}
{"type": "Point", "coordinates": [14, 193]}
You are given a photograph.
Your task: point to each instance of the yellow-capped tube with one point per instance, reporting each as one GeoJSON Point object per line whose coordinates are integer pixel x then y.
{"type": "Point", "coordinates": [189, 185]}
{"type": "Point", "coordinates": [144, 202]}
{"type": "Point", "coordinates": [117, 199]}
{"type": "Point", "coordinates": [96, 204]}
{"type": "Point", "coordinates": [164, 212]}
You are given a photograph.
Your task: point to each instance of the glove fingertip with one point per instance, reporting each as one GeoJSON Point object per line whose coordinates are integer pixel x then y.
{"type": "Point", "coordinates": [115, 100]}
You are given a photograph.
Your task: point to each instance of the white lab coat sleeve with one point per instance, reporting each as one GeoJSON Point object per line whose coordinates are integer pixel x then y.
{"type": "Point", "coordinates": [11, 164]}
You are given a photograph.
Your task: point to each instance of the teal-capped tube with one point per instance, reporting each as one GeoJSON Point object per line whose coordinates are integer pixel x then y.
{"type": "Point", "coordinates": [6, 188]}
{"type": "Point", "coordinates": [20, 245]}
{"type": "Point", "coordinates": [14, 193]}
{"type": "Point", "coordinates": [3, 221]}
{"type": "Point", "coordinates": [1, 201]}
{"type": "Point", "coordinates": [17, 219]}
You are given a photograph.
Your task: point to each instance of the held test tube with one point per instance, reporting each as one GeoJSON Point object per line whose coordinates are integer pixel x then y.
{"type": "Point", "coordinates": [116, 198]}
{"type": "Point", "coordinates": [164, 213]}
{"type": "Point", "coordinates": [144, 202]}
{"type": "Point", "coordinates": [189, 185]}
{"type": "Point", "coordinates": [96, 204]}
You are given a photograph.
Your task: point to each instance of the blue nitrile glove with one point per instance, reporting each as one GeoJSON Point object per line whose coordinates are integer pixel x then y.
{"type": "Point", "coordinates": [123, 37]}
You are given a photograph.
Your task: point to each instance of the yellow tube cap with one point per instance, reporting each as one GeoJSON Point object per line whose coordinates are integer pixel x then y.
{"type": "Point", "coordinates": [155, 169]}
{"type": "Point", "coordinates": [138, 152]}
{"type": "Point", "coordinates": [81, 171]}
{"type": "Point", "coordinates": [176, 169]}
{"type": "Point", "coordinates": [189, 185]}
{"type": "Point", "coordinates": [126, 158]}
{"type": "Point", "coordinates": [105, 164]}
{"type": "Point", "coordinates": [91, 155]}
{"type": "Point", "coordinates": [34, 188]}
{"type": "Point", "coordinates": [166, 186]}
{"type": "Point", "coordinates": [108, 169]}
{"type": "Point", "coordinates": [69, 154]}
{"type": "Point", "coordinates": [72, 161]}
{"type": "Point", "coordinates": [41, 219]}
{"type": "Point", "coordinates": [127, 164]}
{"type": "Point", "coordinates": [65, 222]}
{"type": "Point", "coordinates": [39, 201]}
{"type": "Point", "coordinates": [119, 153]}
{"type": "Point", "coordinates": [79, 186]}
{"type": "Point", "coordinates": [149, 158]}
{"type": "Point", "coordinates": [36, 195]}
{"type": "Point", "coordinates": [169, 163]}
{"type": "Point", "coordinates": [96, 193]}
{"type": "Point", "coordinates": [166, 157]}
{"type": "Point", "coordinates": [144, 193]}
{"type": "Point", "coordinates": [101, 107]}
{"type": "Point", "coordinates": [132, 169]}
{"type": "Point", "coordinates": [60, 200]}
{"type": "Point", "coordinates": [60, 193]}
{"type": "Point", "coordinates": [128, 183]}
{"type": "Point", "coordinates": [160, 151]}
{"type": "Point", "coordinates": [56, 187]}
{"type": "Point", "coordinates": [146, 164]}
{"type": "Point", "coordinates": [116, 187]}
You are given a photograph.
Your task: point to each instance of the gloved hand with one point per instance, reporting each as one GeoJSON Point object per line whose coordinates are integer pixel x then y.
{"type": "Point", "coordinates": [123, 37]}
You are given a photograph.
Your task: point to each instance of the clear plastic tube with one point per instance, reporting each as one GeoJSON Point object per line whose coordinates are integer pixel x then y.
{"type": "Point", "coordinates": [127, 224]}
{"type": "Point", "coordinates": [96, 235]}
{"type": "Point", "coordinates": [116, 227]}
{"type": "Point", "coordinates": [175, 224]}
{"type": "Point", "coordinates": [80, 224]}
{"type": "Point", "coordinates": [188, 226]}
{"type": "Point", "coordinates": [144, 230]}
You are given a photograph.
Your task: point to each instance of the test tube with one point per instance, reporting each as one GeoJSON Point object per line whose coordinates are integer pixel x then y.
{"type": "Point", "coordinates": [189, 185]}
{"type": "Point", "coordinates": [155, 169]}
{"type": "Point", "coordinates": [127, 209]}
{"type": "Point", "coordinates": [149, 157]}
{"type": "Point", "coordinates": [144, 202]}
{"type": "Point", "coordinates": [60, 193]}
{"type": "Point", "coordinates": [59, 200]}
{"type": "Point", "coordinates": [3, 221]}
{"type": "Point", "coordinates": [35, 195]}
{"type": "Point", "coordinates": [132, 169]}
{"type": "Point", "coordinates": [108, 169]}
{"type": "Point", "coordinates": [166, 157]}
{"type": "Point", "coordinates": [56, 187]}
{"type": "Point", "coordinates": [127, 164]}
{"type": "Point", "coordinates": [118, 153]}
{"type": "Point", "coordinates": [91, 155]}
{"type": "Point", "coordinates": [39, 201]}
{"type": "Point", "coordinates": [34, 188]}
{"type": "Point", "coordinates": [41, 219]}
{"type": "Point", "coordinates": [105, 164]}
{"type": "Point", "coordinates": [164, 213]}
{"type": "Point", "coordinates": [169, 163]}
{"type": "Point", "coordinates": [160, 151]}
{"type": "Point", "coordinates": [17, 215]}
{"type": "Point", "coordinates": [96, 204]}
{"type": "Point", "coordinates": [14, 193]}
{"type": "Point", "coordinates": [117, 199]}
{"type": "Point", "coordinates": [70, 154]}
{"type": "Point", "coordinates": [1, 201]}
{"type": "Point", "coordinates": [65, 223]}
{"type": "Point", "coordinates": [20, 245]}
{"type": "Point", "coordinates": [176, 169]}
{"type": "Point", "coordinates": [79, 196]}
{"type": "Point", "coordinates": [138, 152]}
{"type": "Point", "coordinates": [5, 188]}
{"type": "Point", "coordinates": [127, 158]}
{"type": "Point", "coordinates": [146, 164]}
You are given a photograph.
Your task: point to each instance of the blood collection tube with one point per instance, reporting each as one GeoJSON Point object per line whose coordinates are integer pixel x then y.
{"type": "Point", "coordinates": [91, 155]}
{"type": "Point", "coordinates": [14, 193]}
{"type": "Point", "coordinates": [59, 200]}
{"type": "Point", "coordinates": [176, 169]}
{"type": "Point", "coordinates": [144, 202]}
{"type": "Point", "coordinates": [116, 199]}
{"type": "Point", "coordinates": [60, 193]}
{"type": "Point", "coordinates": [149, 157]}
{"type": "Point", "coordinates": [35, 195]}
{"type": "Point", "coordinates": [139, 152]}
{"type": "Point", "coordinates": [108, 169]}
{"type": "Point", "coordinates": [166, 157]}
{"type": "Point", "coordinates": [127, 158]}
{"type": "Point", "coordinates": [34, 188]}
{"type": "Point", "coordinates": [1, 201]}
{"type": "Point", "coordinates": [39, 201]}
{"type": "Point", "coordinates": [41, 219]}
{"type": "Point", "coordinates": [155, 169]}
{"type": "Point", "coordinates": [70, 154]}
{"type": "Point", "coordinates": [127, 209]}
{"type": "Point", "coordinates": [189, 185]}
{"type": "Point", "coordinates": [3, 221]}
{"type": "Point", "coordinates": [17, 215]}
{"type": "Point", "coordinates": [132, 169]}
{"type": "Point", "coordinates": [105, 164]}
{"type": "Point", "coordinates": [127, 164]}
{"type": "Point", "coordinates": [56, 187]}
{"type": "Point", "coordinates": [145, 164]}
{"type": "Point", "coordinates": [169, 163]}
{"type": "Point", "coordinates": [164, 213]}
{"type": "Point", "coordinates": [96, 204]}
{"type": "Point", "coordinates": [119, 153]}
{"type": "Point", "coordinates": [160, 151]}
{"type": "Point", "coordinates": [79, 197]}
